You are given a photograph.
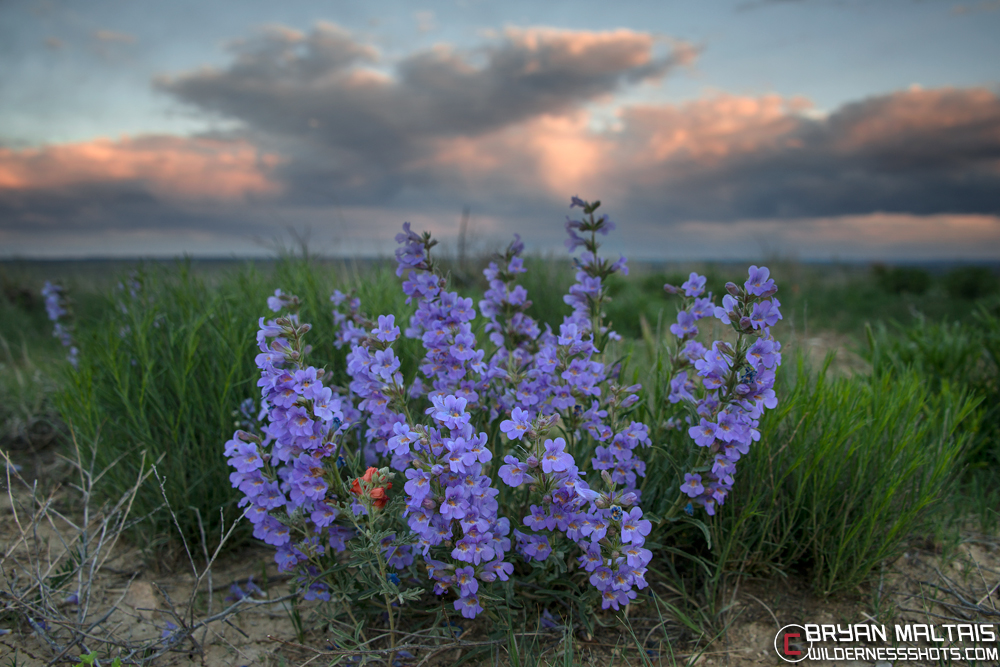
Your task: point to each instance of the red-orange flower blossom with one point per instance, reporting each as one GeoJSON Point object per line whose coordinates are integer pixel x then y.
{"type": "Point", "coordinates": [378, 494]}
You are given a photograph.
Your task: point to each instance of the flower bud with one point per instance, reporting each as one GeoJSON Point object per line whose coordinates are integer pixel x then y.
{"type": "Point", "coordinates": [532, 461]}
{"type": "Point", "coordinates": [725, 348]}
{"type": "Point", "coordinates": [733, 289]}
{"type": "Point", "coordinates": [769, 293]}
{"type": "Point", "coordinates": [671, 289]}
{"type": "Point", "coordinates": [304, 328]}
{"type": "Point", "coordinates": [745, 323]}
{"type": "Point", "coordinates": [547, 499]}
{"type": "Point", "coordinates": [603, 502]}
{"type": "Point", "coordinates": [606, 476]}
{"type": "Point", "coordinates": [428, 503]}
{"type": "Point", "coordinates": [734, 316]}
{"type": "Point", "coordinates": [628, 499]}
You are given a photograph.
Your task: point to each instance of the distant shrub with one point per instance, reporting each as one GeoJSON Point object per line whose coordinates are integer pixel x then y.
{"type": "Point", "coordinates": [901, 279]}
{"type": "Point", "coordinates": [970, 282]}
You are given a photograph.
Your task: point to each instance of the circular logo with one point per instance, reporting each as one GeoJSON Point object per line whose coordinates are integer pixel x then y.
{"type": "Point", "coordinates": [790, 643]}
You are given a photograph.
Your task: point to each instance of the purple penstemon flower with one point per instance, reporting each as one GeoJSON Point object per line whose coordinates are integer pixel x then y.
{"type": "Point", "coordinates": [519, 423]}
{"type": "Point", "coordinates": [556, 458]}
{"type": "Point", "coordinates": [737, 383]}
{"type": "Point", "coordinates": [386, 331]}
{"type": "Point", "coordinates": [759, 282]}
{"type": "Point", "coordinates": [694, 285]}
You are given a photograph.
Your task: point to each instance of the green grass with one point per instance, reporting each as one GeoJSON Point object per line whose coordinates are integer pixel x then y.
{"type": "Point", "coordinates": [847, 470]}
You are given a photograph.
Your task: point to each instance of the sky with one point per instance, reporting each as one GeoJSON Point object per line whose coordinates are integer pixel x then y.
{"type": "Point", "coordinates": [847, 130]}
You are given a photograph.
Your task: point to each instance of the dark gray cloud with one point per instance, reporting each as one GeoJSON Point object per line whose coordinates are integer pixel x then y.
{"type": "Point", "coordinates": [916, 152]}
{"type": "Point", "coordinates": [318, 97]}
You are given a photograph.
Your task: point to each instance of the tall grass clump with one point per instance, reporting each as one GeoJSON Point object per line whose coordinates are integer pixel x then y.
{"type": "Point", "coordinates": [849, 470]}
{"type": "Point", "coordinates": [166, 370]}
{"type": "Point", "coordinates": [954, 355]}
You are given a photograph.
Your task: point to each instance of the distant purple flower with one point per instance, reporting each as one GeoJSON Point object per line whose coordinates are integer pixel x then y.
{"type": "Point", "coordinates": [387, 331]}
{"type": "Point", "coordinates": [758, 283]}
{"type": "Point", "coordinates": [169, 631]}
{"type": "Point", "coordinates": [685, 325]}
{"type": "Point", "coordinates": [694, 285]}
{"type": "Point", "coordinates": [278, 301]}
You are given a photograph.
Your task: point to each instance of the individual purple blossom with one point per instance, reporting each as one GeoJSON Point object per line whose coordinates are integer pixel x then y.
{"type": "Point", "coordinates": [613, 599]}
{"type": "Point", "coordinates": [468, 606]}
{"type": "Point", "coordinates": [692, 485]}
{"type": "Point", "coordinates": [247, 458]}
{"type": "Point", "coordinates": [685, 325]}
{"type": "Point", "coordinates": [556, 458]}
{"type": "Point", "coordinates": [759, 283]}
{"type": "Point", "coordinates": [694, 285]}
{"type": "Point", "coordinates": [704, 433]}
{"type": "Point", "coordinates": [387, 331]}
{"type": "Point", "coordinates": [765, 314]}
{"type": "Point", "coordinates": [634, 527]}
{"type": "Point", "coordinates": [514, 472]}
{"type": "Point", "coordinates": [450, 410]}
{"type": "Point", "coordinates": [280, 300]}
{"type": "Point", "coordinates": [519, 424]}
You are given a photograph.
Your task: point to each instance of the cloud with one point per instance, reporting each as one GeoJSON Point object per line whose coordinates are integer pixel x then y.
{"type": "Point", "coordinates": [166, 167]}
{"type": "Point", "coordinates": [919, 152]}
{"type": "Point", "coordinates": [152, 182]}
{"type": "Point", "coordinates": [327, 98]}
{"type": "Point", "coordinates": [327, 124]}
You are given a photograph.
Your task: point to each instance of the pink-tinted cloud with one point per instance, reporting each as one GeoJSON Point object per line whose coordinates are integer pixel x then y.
{"type": "Point", "coordinates": [168, 167]}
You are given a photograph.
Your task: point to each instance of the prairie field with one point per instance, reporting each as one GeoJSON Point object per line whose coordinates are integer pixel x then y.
{"type": "Point", "coordinates": [871, 495]}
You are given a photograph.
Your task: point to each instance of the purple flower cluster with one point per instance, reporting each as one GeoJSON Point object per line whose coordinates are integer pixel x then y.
{"type": "Point", "coordinates": [58, 310]}
{"type": "Point", "coordinates": [561, 416]}
{"type": "Point", "coordinates": [351, 325]}
{"type": "Point", "coordinates": [505, 303]}
{"type": "Point", "coordinates": [376, 381]}
{"type": "Point", "coordinates": [447, 494]}
{"type": "Point", "coordinates": [283, 472]}
{"type": "Point", "coordinates": [729, 388]}
{"type": "Point", "coordinates": [532, 381]}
